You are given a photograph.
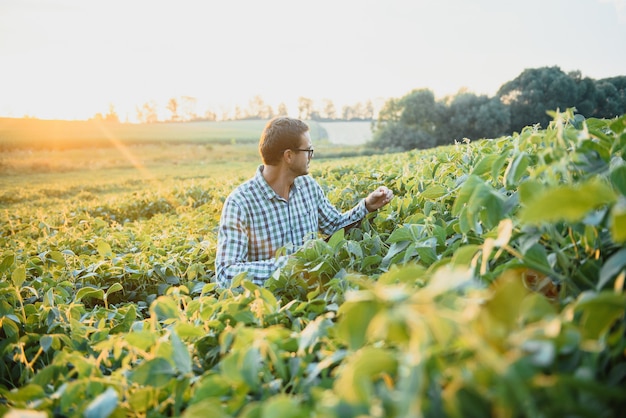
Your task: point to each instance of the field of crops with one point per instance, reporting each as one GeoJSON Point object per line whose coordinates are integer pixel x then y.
{"type": "Point", "coordinates": [61, 134]}
{"type": "Point", "coordinates": [492, 285]}
{"type": "Point", "coordinates": [29, 134]}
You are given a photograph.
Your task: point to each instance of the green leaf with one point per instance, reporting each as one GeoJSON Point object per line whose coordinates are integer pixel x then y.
{"type": "Point", "coordinates": [18, 276]}
{"type": "Point", "coordinates": [7, 262]}
{"type": "Point", "coordinates": [611, 268]}
{"type": "Point", "coordinates": [566, 203]}
{"type": "Point", "coordinates": [506, 302]}
{"type": "Point", "coordinates": [370, 260]}
{"type": "Point", "coordinates": [103, 405]}
{"type": "Point", "coordinates": [45, 342]}
{"type": "Point", "coordinates": [251, 366]}
{"type": "Point", "coordinates": [104, 249]}
{"type": "Point", "coordinates": [354, 320]}
{"type": "Point", "coordinates": [599, 312]}
{"type": "Point", "coordinates": [537, 258]}
{"type": "Point", "coordinates": [115, 287]}
{"type": "Point", "coordinates": [312, 333]}
{"type": "Point", "coordinates": [434, 192]}
{"type": "Point", "coordinates": [156, 372]}
{"type": "Point", "coordinates": [619, 125]}
{"type": "Point", "coordinates": [282, 406]}
{"type": "Point", "coordinates": [210, 386]}
{"type": "Point", "coordinates": [427, 255]}
{"type": "Point", "coordinates": [400, 234]}
{"type": "Point", "coordinates": [186, 330]}
{"type": "Point", "coordinates": [515, 170]}
{"type": "Point", "coordinates": [465, 254]}
{"type": "Point", "coordinates": [89, 292]}
{"type": "Point", "coordinates": [26, 394]}
{"type": "Point", "coordinates": [492, 210]}
{"type": "Point", "coordinates": [355, 380]}
{"type": "Point", "coordinates": [210, 407]}
{"type": "Point", "coordinates": [10, 328]}
{"type": "Point", "coordinates": [484, 165]}
{"type": "Point", "coordinates": [141, 399]}
{"type": "Point", "coordinates": [337, 238]}
{"type": "Point", "coordinates": [465, 193]}
{"type": "Point", "coordinates": [395, 252]}
{"type": "Point", "coordinates": [618, 178]}
{"type": "Point", "coordinates": [181, 356]}
{"type": "Point", "coordinates": [618, 221]}
{"type": "Point", "coordinates": [165, 308]}
{"type": "Point", "coordinates": [58, 257]}
{"type": "Point", "coordinates": [497, 166]}
{"type": "Point", "coordinates": [529, 189]}
{"type": "Point", "coordinates": [242, 366]}
{"type": "Point", "coordinates": [143, 340]}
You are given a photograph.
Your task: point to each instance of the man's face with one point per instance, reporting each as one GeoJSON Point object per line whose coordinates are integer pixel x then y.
{"type": "Point", "coordinates": [303, 156]}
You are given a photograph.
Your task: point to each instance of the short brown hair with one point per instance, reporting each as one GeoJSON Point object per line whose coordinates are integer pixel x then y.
{"type": "Point", "coordinates": [279, 134]}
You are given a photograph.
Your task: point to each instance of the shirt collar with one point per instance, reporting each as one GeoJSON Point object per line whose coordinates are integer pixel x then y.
{"type": "Point", "coordinates": [262, 183]}
{"type": "Point", "coordinates": [265, 187]}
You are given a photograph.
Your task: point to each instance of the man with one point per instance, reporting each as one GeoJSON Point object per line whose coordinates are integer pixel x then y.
{"type": "Point", "coordinates": [280, 207]}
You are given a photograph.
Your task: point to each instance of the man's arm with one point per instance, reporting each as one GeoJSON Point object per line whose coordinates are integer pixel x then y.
{"type": "Point", "coordinates": [332, 220]}
{"type": "Point", "coordinates": [232, 250]}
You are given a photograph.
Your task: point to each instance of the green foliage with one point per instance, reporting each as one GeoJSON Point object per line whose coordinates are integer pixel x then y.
{"type": "Point", "coordinates": [417, 120]}
{"type": "Point", "coordinates": [538, 90]}
{"type": "Point", "coordinates": [493, 284]}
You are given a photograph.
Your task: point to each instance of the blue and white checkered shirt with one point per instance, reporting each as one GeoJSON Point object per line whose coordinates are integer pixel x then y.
{"type": "Point", "coordinates": [256, 222]}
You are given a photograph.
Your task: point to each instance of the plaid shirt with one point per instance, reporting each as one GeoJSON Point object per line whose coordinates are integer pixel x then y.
{"type": "Point", "coordinates": [256, 222]}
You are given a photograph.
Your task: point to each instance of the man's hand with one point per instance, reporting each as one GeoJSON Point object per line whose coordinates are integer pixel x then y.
{"type": "Point", "coordinates": [378, 198]}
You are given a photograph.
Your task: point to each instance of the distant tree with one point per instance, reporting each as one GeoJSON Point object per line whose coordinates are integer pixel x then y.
{"type": "Point", "coordinates": [239, 113]}
{"type": "Point", "coordinates": [470, 116]}
{"type": "Point", "coordinates": [586, 94]}
{"type": "Point", "coordinates": [147, 113]}
{"type": "Point", "coordinates": [534, 92]}
{"type": "Point", "coordinates": [493, 119]}
{"type": "Point", "coordinates": [329, 111]}
{"type": "Point", "coordinates": [358, 111]}
{"type": "Point", "coordinates": [225, 113]}
{"type": "Point", "coordinates": [258, 109]}
{"type": "Point", "coordinates": [397, 136]}
{"type": "Point", "coordinates": [172, 107]}
{"type": "Point", "coordinates": [111, 115]}
{"type": "Point", "coordinates": [391, 111]}
{"type": "Point", "coordinates": [420, 111]}
{"type": "Point", "coordinates": [610, 97]}
{"type": "Point", "coordinates": [305, 108]}
{"type": "Point", "coordinates": [281, 110]}
{"type": "Point", "coordinates": [315, 115]}
{"type": "Point", "coordinates": [410, 122]}
{"type": "Point", "coordinates": [188, 107]}
{"type": "Point", "coordinates": [209, 115]}
{"type": "Point", "coordinates": [368, 111]}
{"type": "Point", "coordinates": [347, 113]}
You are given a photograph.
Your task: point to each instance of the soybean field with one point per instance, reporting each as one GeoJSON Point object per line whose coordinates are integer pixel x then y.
{"type": "Point", "coordinates": [492, 285]}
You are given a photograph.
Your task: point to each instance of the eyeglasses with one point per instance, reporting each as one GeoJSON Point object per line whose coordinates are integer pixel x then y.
{"type": "Point", "coordinates": [310, 151]}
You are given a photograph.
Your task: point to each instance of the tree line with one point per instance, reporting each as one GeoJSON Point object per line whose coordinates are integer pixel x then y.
{"type": "Point", "coordinates": [417, 120]}
{"type": "Point", "coordinates": [184, 109]}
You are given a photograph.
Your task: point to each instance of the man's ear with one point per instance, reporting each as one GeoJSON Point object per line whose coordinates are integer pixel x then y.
{"type": "Point", "coordinates": [288, 155]}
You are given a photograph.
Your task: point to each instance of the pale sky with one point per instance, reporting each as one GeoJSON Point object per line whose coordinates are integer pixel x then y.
{"type": "Point", "coordinates": [73, 58]}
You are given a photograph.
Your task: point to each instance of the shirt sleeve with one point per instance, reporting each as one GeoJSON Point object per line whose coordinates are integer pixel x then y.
{"type": "Point", "coordinates": [331, 220]}
{"type": "Point", "coordinates": [232, 252]}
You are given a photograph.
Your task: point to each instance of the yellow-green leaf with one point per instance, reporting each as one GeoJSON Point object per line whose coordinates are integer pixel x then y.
{"type": "Point", "coordinates": [566, 203]}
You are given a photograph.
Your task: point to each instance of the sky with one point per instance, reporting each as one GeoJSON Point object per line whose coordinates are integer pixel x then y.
{"type": "Point", "coordinates": [71, 59]}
